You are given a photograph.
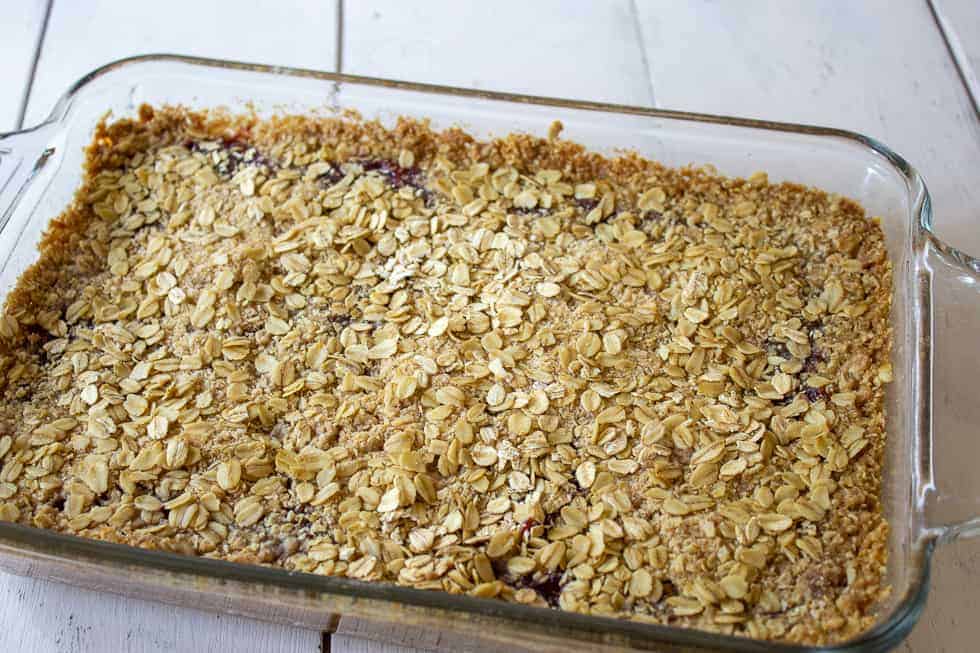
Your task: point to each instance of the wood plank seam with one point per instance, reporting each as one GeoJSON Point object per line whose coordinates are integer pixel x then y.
{"type": "Point", "coordinates": [339, 59]}
{"type": "Point", "coordinates": [643, 51]}
{"type": "Point", "coordinates": [22, 109]}
{"type": "Point", "coordinates": [957, 54]}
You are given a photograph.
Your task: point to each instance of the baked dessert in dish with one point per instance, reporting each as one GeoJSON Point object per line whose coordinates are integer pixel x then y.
{"type": "Point", "coordinates": [510, 368]}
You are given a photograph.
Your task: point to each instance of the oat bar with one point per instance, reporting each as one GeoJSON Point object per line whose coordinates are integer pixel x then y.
{"type": "Point", "coordinates": [510, 368]}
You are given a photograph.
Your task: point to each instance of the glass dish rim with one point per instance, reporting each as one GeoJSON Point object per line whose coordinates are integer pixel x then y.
{"type": "Point", "coordinates": [891, 629]}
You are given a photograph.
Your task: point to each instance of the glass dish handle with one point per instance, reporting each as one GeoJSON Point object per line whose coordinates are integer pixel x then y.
{"type": "Point", "coordinates": [950, 464]}
{"type": "Point", "coordinates": [22, 155]}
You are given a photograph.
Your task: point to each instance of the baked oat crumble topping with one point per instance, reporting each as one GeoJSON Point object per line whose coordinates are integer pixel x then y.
{"type": "Point", "coordinates": [512, 369]}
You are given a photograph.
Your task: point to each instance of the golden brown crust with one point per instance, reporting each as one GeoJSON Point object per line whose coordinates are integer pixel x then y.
{"type": "Point", "coordinates": [513, 368]}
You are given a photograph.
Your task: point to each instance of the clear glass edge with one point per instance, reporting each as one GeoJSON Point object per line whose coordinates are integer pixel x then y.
{"type": "Point", "coordinates": [883, 636]}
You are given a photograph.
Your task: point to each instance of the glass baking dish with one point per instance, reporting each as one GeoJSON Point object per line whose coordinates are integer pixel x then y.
{"type": "Point", "coordinates": [41, 167]}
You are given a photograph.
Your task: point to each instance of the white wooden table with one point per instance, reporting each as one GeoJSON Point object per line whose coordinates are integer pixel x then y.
{"type": "Point", "coordinates": [902, 71]}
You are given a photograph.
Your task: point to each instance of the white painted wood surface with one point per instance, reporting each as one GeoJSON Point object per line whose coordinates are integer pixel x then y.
{"type": "Point", "coordinates": [878, 67]}
{"type": "Point", "coordinates": [82, 36]}
{"type": "Point", "coordinates": [553, 48]}
{"type": "Point", "coordinates": [47, 617]}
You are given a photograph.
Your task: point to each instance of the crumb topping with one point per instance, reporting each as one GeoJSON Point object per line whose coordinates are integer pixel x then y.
{"type": "Point", "coordinates": [510, 368]}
